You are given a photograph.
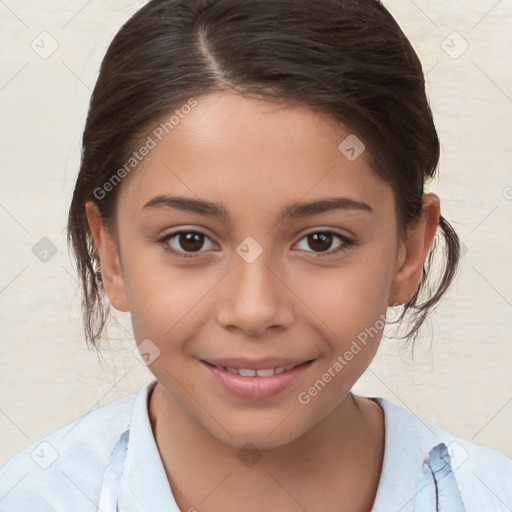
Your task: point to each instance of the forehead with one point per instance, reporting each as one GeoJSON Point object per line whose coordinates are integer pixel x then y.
{"type": "Point", "coordinates": [248, 154]}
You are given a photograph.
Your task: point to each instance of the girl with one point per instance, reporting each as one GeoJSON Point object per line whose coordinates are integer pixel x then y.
{"type": "Point", "coordinates": [252, 191]}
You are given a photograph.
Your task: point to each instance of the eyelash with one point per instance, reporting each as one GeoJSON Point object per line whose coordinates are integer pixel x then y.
{"type": "Point", "coordinates": [347, 243]}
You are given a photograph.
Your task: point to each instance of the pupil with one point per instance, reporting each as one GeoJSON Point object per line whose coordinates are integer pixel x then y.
{"type": "Point", "coordinates": [324, 238]}
{"type": "Point", "coordinates": [191, 240]}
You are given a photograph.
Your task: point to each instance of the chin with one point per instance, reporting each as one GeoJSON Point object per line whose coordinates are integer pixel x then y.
{"type": "Point", "coordinates": [246, 433]}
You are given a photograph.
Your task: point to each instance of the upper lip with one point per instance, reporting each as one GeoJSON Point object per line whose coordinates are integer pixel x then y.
{"type": "Point", "coordinates": [256, 364]}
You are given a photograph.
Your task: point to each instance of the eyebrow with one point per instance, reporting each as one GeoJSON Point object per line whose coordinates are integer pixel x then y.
{"type": "Point", "coordinates": [294, 210]}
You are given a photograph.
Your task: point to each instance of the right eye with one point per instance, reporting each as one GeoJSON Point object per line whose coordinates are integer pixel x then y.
{"type": "Point", "coordinates": [189, 240]}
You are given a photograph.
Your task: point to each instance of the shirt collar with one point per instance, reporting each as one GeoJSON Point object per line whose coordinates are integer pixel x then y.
{"type": "Point", "coordinates": [408, 441]}
{"type": "Point", "coordinates": [144, 484]}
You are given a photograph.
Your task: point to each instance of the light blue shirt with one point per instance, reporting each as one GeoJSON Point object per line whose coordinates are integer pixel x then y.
{"type": "Point", "coordinates": [108, 461]}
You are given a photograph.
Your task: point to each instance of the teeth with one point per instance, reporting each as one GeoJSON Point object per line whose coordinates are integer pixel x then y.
{"type": "Point", "coordinates": [249, 372]}
{"type": "Point", "coordinates": [244, 372]}
{"type": "Point", "coordinates": [265, 373]}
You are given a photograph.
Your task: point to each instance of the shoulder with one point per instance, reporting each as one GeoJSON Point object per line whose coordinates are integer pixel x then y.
{"type": "Point", "coordinates": [67, 465]}
{"type": "Point", "coordinates": [484, 475]}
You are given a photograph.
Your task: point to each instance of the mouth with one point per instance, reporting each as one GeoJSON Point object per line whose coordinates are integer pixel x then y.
{"type": "Point", "coordinates": [256, 380]}
{"type": "Point", "coordinates": [253, 372]}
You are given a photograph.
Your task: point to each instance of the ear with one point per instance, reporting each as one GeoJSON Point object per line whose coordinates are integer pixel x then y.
{"type": "Point", "coordinates": [413, 251]}
{"type": "Point", "coordinates": [111, 270]}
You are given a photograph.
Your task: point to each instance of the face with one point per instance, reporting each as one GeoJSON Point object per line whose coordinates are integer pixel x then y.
{"type": "Point", "coordinates": [267, 284]}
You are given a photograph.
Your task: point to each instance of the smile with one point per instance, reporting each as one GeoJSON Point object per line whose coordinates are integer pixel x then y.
{"type": "Point", "coordinates": [255, 383]}
{"type": "Point", "coordinates": [250, 372]}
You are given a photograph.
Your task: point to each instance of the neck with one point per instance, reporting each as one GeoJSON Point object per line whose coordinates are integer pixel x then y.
{"type": "Point", "coordinates": [338, 461]}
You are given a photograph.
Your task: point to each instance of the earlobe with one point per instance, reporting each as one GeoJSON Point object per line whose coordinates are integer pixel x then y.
{"type": "Point", "coordinates": [111, 269]}
{"type": "Point", "coordinates": [413, 252]}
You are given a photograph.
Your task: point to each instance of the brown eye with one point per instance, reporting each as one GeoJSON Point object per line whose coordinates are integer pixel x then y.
{"type": "Point", "coordinates": [191, 241]}
{"type": "Point", "coordinates": [322, 241]}
{"type": "Point", "coordinates": [180, 243]}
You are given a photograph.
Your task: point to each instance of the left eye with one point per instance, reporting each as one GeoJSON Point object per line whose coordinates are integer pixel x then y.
{"type": "Point", "coordinates": [192, 241]}
{"type": "Point", "coordinates": [321, 239]}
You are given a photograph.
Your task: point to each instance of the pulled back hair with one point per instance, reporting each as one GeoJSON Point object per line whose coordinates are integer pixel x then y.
{"type": "Point", "coordinates": [347, 59]}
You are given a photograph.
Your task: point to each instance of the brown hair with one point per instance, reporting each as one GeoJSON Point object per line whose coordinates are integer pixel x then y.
{"type": "Point", "coordinates": [347, 59]}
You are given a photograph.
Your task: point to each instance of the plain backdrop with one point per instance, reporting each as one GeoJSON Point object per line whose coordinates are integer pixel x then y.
{"type": "Point", "coordinates": [460, 376]}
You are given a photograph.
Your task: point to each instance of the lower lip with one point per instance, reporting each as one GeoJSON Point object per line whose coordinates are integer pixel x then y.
{"type": "Point", "coordinates": [257, 388]}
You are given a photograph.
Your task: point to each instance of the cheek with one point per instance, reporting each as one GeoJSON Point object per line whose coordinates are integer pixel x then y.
{"type": "Point", "coordinates": [350, 314]}
{"type": "Point", "coordinates": [349, 307]}
{"type": "Point", "coordinates": [165, 302]}
{"type": "Point", "coordinates": [351, 298]}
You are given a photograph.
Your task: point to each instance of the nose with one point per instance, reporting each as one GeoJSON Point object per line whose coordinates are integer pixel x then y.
{"type": "Point", "coordinates": [255, 297]}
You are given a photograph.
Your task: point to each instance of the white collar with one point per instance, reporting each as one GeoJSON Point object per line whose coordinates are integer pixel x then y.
{"type": "Point", "coordinates": [144, 485]}
{"type": "Point", "coordinates": [408, 441]}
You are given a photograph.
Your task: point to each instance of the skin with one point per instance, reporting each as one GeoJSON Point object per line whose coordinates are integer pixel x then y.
{"type": "Point", "coordinates": [254, 158]}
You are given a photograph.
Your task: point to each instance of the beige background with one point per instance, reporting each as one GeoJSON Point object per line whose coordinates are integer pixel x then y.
{"type": "Point", "coordinates": [460, 377]}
